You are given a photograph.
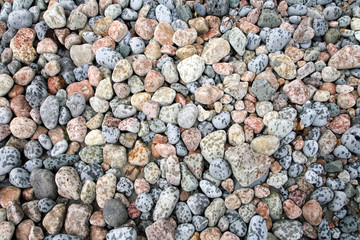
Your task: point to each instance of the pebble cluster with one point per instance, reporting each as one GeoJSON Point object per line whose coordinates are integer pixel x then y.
{"type": "Point", "coordinates": [178, 120]}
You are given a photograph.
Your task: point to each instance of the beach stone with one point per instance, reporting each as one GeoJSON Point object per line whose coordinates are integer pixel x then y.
{"type": "Point", "coordinates": [257, 228]}
{"type": "Point", "coordinates": [7, 230]}
{"type": "Point", "coordinates": [6, 84]}
{"type": "Point", "coordinates": [349, 139]}
{"type": "Point", "coordinates": [277, 39]}
{"type": "Point", "coordinates": [68, 183]}
{"type": "Point", "coordinates": [312, 212]}
{"type": "Point", "coordinates": [268, 18]}
{"type": "Point", "coordinates": [55, 16]}
{"type": "Point", "coordinates": [247, 166]}
{"type": "Point", "coordinates": [289, 229]}
{"type": "Point", "coordinates": [280, 127]}
{"type": "Point", "coordinates": [212, 146]}
{"type": "Point", "coordinates": [105, 189]}
{"type": "Point", "coordinates": [22, 127]}
{"type": "Point", "coordinates": [49, 112]}
{"type": "Point", "coordinates": [265, 145]}
{"type": "Point", "coordinates": [338, 201]}
{"type": "Point", "coordinates": [77, 217]}
{"type": "Point", "coordinates": [258, 64]}
{"type": "Point", "coordinates": [304, 31]}
{"type": "Point", "coordinates": [123, 232]}
{"type": "Point", "coordinates": [20, 178]}
{"type": "Point", "coordinates": [166, 203]}
{"type": "Point", "coordinates": [215, 50]}
{"type": "Point", "coordinates": [190, 69]}
{"type": "Point", "coordinates": [283, 65]}
{"type": "Point", "coordinates": [262, 89]}
{"type": "Point", "coordinates": [43, 183]}
{"type": "Point", "coordinates": [54, 220]}
{"type": "Point", "coordinates": [238, 40]}
{"type": "Point", "coordinates": [9, 158]}
{"type": "Point", "coordinates": [217, 8]}
{"type": "Point", "coordinates": [115, 213]}
{"type": "Point", "coordinates": [346, 58]}
{"type": "Point", "coordinates": [160, 229]}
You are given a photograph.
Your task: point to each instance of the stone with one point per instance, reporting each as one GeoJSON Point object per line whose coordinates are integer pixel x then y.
{"type": "Point", "coordinates": [55, 16]}
{"type": "Point", "coordinates": [190, 69]}
{"type": "Point", "coordinates": [283, 65]}
{"type": "Point", "coordinates": [238, 40]}
{"type": "Point", "coordinates": [166, 203]}
{"type": "Point", "coordinates": [212, 146]}
{"type": "Point", "coordinates": [115, 213]}
{"type": "Point", "coordinates": [247, 166]}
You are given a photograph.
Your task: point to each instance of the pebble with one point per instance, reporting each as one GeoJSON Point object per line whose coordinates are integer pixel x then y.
{"type": "Point", "coordinates": [115, 213]}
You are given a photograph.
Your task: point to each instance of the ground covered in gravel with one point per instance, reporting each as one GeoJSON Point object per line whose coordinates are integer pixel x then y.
{"type": "Point", "coordinates": [178, 120]}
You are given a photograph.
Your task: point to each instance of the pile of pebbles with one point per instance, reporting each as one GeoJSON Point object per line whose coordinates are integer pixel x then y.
{"type": "Point", "coordinates": [174, 119]}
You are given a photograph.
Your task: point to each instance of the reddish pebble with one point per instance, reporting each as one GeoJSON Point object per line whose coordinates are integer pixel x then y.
{"type": "Point", "coordinates": [141, 186]}
{"type": "Point", "coordinates": [20, 106]}
{"type": "Point", "coordinates": [292, 211]}
{"type": "Point", "coordinates": [82, 87]}
{"type": "Point", "coordinates": [340, 124]}
{"type": "Point", "coordinates": [312, 212]}
{"type": "Point", "coordinates": [24, 76]}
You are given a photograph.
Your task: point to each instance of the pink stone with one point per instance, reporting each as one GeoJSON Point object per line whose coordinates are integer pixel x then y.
{"type": "Point", "coordinates": [82, 87]}
{"type": "Point", "coordinates": [346, 100]}
{"type": "Point", "coordinates": [141, 186]}
{"type": "Point", "coordinates": [255, 123]}
{"type": "Point", "coordinates": [151, 108]}
{"type": "Point", "coordinates": [163, 34]}
{"type": "Point", "coordinates": [340, 124]}
{"type": "Point", "coordinates": [145, 27]}
{"type": "Point", "coordinates": [133, 211]}
{"type": "Point", "coordinates": [153, 81]}
{"type": "Point", "coordinates": [122, 90]}
{"type": "Point", "coordinates": [210, 233]}
{"type": "Point", "coordinates": [20, 106]}
{"type": "Point", "coordinates": [161, 229]}
{"type": "Point", "coordinates": [76, 129]}
{"type": "Point", "coordinates": [238, 116]}
{"type": "Point", "coordinates": [24, 76]}
{"type": "Point", "coordinates": [117, 30]}
{"type": "Point", "coordinates": [142, 66]}
{"type": "Point", "coordinates": [165, 150]}
{"type": "Point", "coordinates": [14, 212]}
{"type": "Point", "coordinates": [223, 68]}
{"type": "Point", "coordinates": [183, 37]}
{"type": "Point", "coordinates": [346, 58]}
{"type": "Point", "coordinates": [246, 195]}
{"type": "Point", "coordinates": [23, 229]}
{"type": "Point", "coordinates": [304, 31]}
{"type": "Point", "coordinates": [296, 91]}
{"type": "Point", "coordinates": [253, 15]}
{"type": "Point", "coordinates": [47, 46]}
{"type": "Point", "coordinates": [103, 42]}
{"type": "Point", "coordinates": [130, 124]}
{"type": "Point", "coordinates": [97, 219]}
{"type": "Point", "coordinates": [94, 75]}
{"type": "Point", "coordinates": [22, 45]}
{"type": "Point", "coordinates": [22, 127]}
{"type": "Point", "coordinates": [229, 236]}
{"type": "Point", "coordinates": [261, 191]}
{"type": "Point", "coordinates": [298, 197]}
{"type": "Point", "coordinates": [263, 210]}
{"type": "Point", "coordinates": [208, 94]}
{"type": "Point", "coordinates": [77, 219]}
{"type": "Point", "coordinates": [191, 138]}
{"type": "Point", "coordinates": [291, 209]}
{"type": "Point", "coordinates": [312, 212]}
